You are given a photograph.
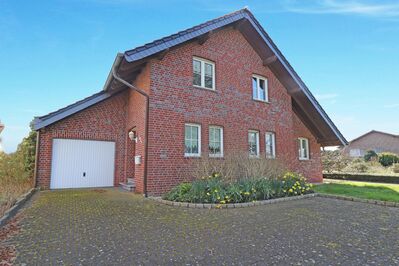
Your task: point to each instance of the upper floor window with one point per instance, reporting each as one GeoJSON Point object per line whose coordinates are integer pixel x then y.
{"type": "Point", "coordinates": [259, 88]}
{"type": "Point", "coordinates": [203, 73]}
{"type": "Point", "coordinates": [253, 143]}
{"type": "Point", "coordinates": [270, 143]}
{"type": "Point", "coordinates": [303, 148]}
{"type": "Point", "coordinates": [192, 140]}
{"type": "Point", "coordinates": [215, 141]}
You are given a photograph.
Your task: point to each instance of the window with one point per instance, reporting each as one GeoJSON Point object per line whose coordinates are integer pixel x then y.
{"type": "Point", "coordinates": [259, 88]}
{"type": "Point", "coordinates": [303, 148]}
{"type": "Point", "coordinates": [253, 142]}
{"type": "Point", "coordinates": [355, 153]}
{"type": "Point", "coordinates": [192, 140]}
{"type": "Point", "coordinates": [270, 143]}
{"type": "Point", "coordinates": [203, 73]}
{"type": "Point", "coordinates": [215, 141]}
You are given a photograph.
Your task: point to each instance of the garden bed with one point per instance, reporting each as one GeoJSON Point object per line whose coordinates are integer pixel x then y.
{"type": "Point", "coordinates": [214, 190]}
{"type": "Point", "coordinates": [231, 205]}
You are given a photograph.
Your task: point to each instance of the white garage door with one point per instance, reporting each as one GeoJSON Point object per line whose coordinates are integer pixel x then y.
{"type": "Point", "coordinates": [82, 163]}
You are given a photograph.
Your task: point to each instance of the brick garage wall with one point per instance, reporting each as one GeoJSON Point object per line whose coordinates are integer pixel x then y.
{"type": "Point", "coordinates": [311, 168]}
{"type": "Point", "coordinates": [174, 102]}
{"type": "Point", "coordinates": [104, 121]}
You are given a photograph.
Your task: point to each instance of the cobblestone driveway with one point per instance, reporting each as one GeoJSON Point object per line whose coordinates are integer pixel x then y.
{"type": "Point", "coordinates": [109, 227]}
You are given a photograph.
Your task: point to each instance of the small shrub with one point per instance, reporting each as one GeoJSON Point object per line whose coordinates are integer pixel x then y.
{"type": "Point", "coordinates": [388, 159]}
{"type": "Point", "coordinates": [370, 156]}
{"type": "Point", "coordinates": [295, 184]}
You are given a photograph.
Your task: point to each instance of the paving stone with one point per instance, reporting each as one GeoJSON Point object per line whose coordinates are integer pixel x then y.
{"type": "Point", "coordinates": [85, 227]}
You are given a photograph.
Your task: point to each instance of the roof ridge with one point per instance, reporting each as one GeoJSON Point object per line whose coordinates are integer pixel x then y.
{"type": "Point", "coordinates": [177, 34]}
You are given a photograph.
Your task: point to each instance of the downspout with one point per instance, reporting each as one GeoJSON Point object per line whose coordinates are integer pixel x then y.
{"type": "Point", "coordinates": [36, 158]}
{"type": "Point", "coordinates": [124, 82]}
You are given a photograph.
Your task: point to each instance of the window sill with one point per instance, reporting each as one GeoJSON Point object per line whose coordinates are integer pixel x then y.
{"type": "Point", "coordinates": [192, 155]}
{"type": "Point", "coordinates": [204, 88]}
{"type": "Point", "coordinates": [216, 156]}
{"type": "Point", "coordinates": [304, 159]}
{"type": "Point", "coordinates": [261, 101]}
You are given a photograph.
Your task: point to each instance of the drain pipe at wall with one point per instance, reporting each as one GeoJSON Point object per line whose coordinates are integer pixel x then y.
{"type": "Point", "coordinates": [36, 158]}
{"type": "Point", "coordinates": [124, 82]}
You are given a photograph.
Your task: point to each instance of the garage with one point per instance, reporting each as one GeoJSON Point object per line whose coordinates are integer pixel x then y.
{"type": "Point", "coordinates": [82, 163]}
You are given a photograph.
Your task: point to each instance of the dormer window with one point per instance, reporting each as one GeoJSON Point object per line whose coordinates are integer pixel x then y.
{"type": "Point", "coordinates": [203, 73]}
{"type": "Point", "coordinates": [259, 88]}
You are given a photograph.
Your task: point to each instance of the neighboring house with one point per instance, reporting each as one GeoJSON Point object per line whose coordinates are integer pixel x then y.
{"type": "Point", "coordinates": [217, 88]}
{"type": "Point", "coordinates": [1, 142]}
{"type": "Point", "coordinates": [374, 140]}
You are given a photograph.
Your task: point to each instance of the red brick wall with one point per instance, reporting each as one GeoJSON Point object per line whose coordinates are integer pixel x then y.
{"type": "Point", "coordinates": [174, 102]}
{"type": "Point", "coordinates": [311, 168]}
{"type": "Point", "coordinates": [103, 121]}
{"type": "Point", "coordinates": [136, 120]}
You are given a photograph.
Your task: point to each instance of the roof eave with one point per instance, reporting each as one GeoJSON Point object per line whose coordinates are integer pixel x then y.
{"type": "Point", "coordinates": [43, 121]}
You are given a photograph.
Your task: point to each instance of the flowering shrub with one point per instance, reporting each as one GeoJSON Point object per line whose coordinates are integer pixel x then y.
{"type": "Point", "coordinates": [212, 189]}
{"type": "Point", "coordinates": [295, 184]}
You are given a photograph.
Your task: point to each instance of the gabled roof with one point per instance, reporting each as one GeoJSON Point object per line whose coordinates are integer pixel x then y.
{"type": "Point", "coordinates": [375, 131]}
{"type": "Point", "coordinates": [42, 121]}
{"type": "Point", "coordinates": [304, 103]}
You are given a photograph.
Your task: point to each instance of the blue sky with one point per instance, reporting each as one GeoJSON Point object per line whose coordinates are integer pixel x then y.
{"type": "Point", "coordinates": [53, 53]}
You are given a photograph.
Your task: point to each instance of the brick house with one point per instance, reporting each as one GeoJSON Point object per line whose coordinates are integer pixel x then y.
{"type": "Point", "coordinates": [374, 140]}
{"type": "Point", "coordinates": [217, 88]}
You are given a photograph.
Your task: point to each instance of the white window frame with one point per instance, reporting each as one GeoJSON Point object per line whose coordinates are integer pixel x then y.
{"type": "Point", "coordinates": [203, 61]}
{"type": "Point", "coordinates": [257, 144]}
{"type": "Point", "coordinates": [199, 140]}
{"type": "Point", "coordinates": [217, 155]}
{"type": "Point", "coordinates": [273, 138]}
{"type": "Point", "coordinates": [258, 90]}
{"type": "Point", "coordinates": [301, 149]}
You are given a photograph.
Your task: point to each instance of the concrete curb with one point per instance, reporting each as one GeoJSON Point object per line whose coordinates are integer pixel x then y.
{"type": "Point", "coordinates": [229, 205]}
{"type": "Point", "coordinates": [271, 201]}
{"type": "Point", "coordinates": [369, 201]}
{"type": "Point", "coordinates": [16, 207]}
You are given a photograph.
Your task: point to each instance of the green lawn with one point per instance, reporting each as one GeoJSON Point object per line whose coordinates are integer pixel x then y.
{"type": "Point", "coordinates": [366, 190]}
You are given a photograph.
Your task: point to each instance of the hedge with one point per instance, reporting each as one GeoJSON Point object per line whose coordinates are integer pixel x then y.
{"type": "Point", "coordinates": [364, 177]}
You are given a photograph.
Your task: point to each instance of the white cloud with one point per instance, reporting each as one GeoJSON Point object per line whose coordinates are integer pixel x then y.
{"type": "Point", "coordinates": [367, 8]}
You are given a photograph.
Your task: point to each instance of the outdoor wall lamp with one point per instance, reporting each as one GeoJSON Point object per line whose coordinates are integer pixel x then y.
{"type": "Point", "coordinates": [132, 136]}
